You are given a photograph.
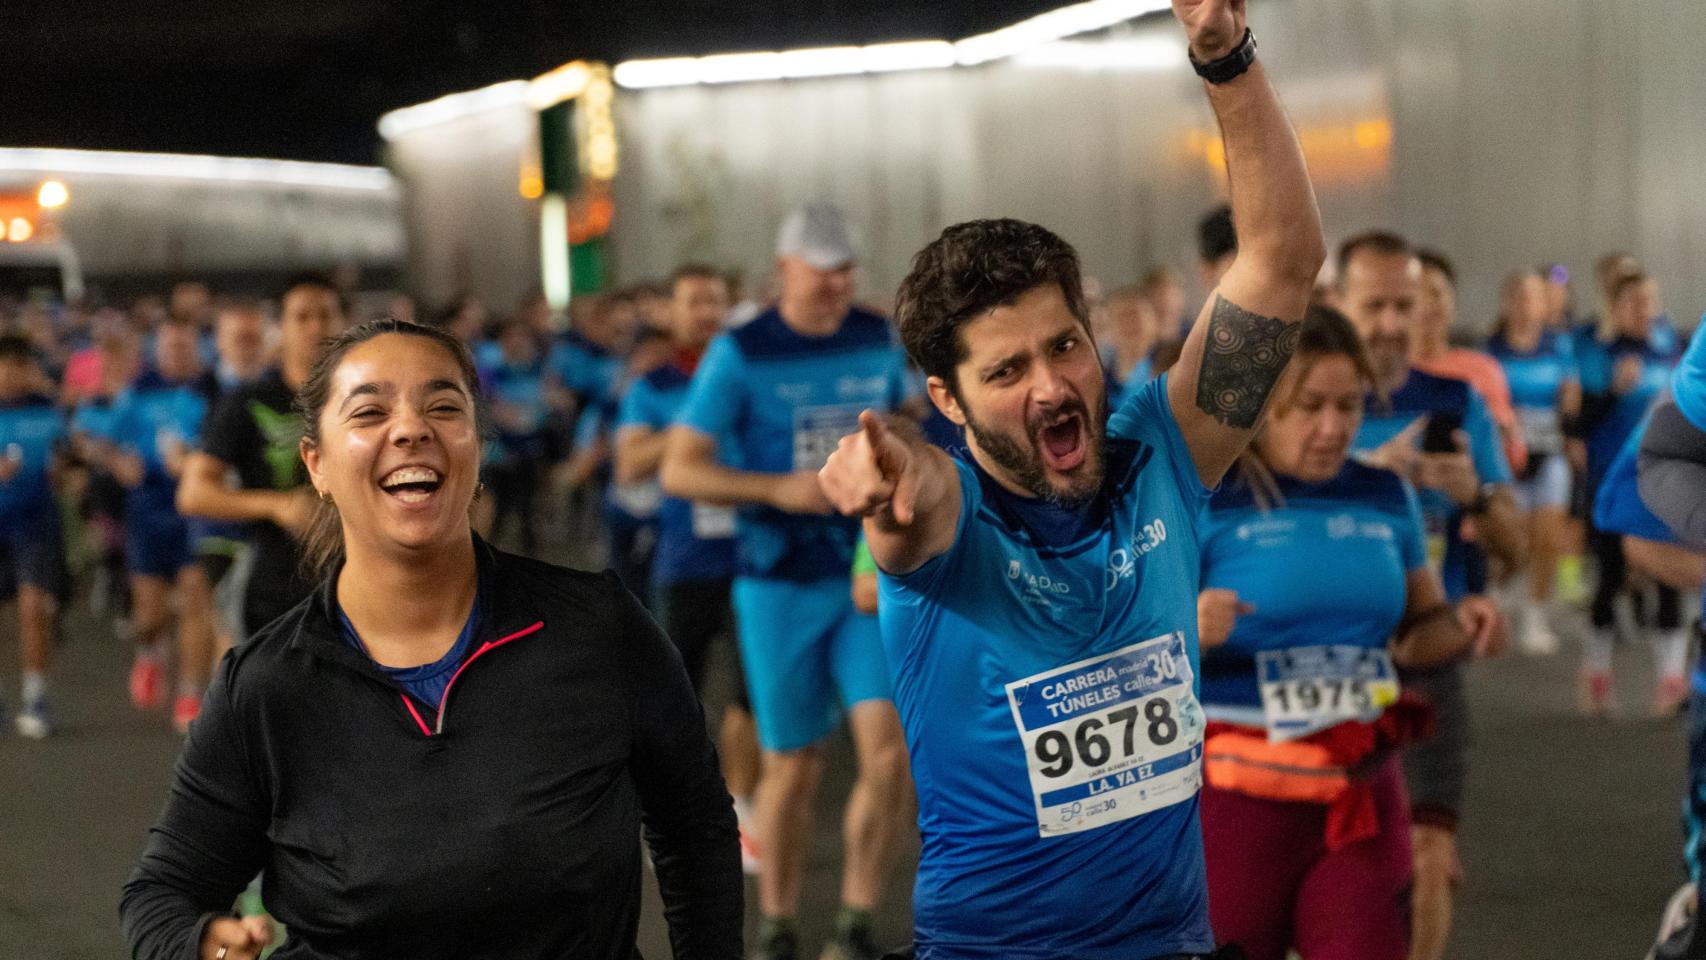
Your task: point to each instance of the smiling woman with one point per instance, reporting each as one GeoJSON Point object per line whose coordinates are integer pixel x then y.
{"type": "Point", "coordinates": [357, 380]}
{"type": "Point", "coordinates": [326, 757]}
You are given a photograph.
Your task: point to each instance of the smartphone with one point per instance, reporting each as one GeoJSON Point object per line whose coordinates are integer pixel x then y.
{"type": "Point", "coordinates": [1440, 435]}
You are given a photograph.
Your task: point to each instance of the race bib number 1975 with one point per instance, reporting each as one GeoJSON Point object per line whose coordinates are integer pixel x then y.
{"type": "Point", "coordinates": [1308, 689]}
{"type": "Point", "coordinates": [1111, 737]}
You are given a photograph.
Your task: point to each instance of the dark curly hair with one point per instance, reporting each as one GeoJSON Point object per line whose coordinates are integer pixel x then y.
{"type": "Point", "coordinates": [972, 268]}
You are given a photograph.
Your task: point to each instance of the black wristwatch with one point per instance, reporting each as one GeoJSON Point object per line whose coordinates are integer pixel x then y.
{"type": "Point", "coordinates": [1230, 66]}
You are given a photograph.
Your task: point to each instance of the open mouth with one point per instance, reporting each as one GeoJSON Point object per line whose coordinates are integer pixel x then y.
{"type": "Point", "coordinates": [412, 484]}
{"type": "Point", "coordinates": [1063, 443]}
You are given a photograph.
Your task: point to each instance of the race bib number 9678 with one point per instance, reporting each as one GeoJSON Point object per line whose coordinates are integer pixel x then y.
{"type": "Point", "coordinates": [1111, 737]}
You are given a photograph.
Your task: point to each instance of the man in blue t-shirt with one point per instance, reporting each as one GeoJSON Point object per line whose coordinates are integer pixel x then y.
{"type": "Point", "coordinates": [1437, 432]}
{"type": "Point", "coordinates": [1038, 595]}
{"type": "Point", "coordinates": [32, 551]}
{"type": "Point", "coordinates": [694, 563]}
{"type": "Point", "coordinates": [774, 396]}
{"type": "Point", "coordinates": [155, 424]}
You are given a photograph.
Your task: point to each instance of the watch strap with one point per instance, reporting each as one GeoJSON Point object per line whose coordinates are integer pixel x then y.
{"type": "Point", "coordinates": [1231, 66]}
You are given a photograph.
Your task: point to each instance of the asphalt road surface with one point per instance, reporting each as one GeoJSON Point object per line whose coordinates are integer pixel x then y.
{"type": "Point", "coordinates": [1571, 838]}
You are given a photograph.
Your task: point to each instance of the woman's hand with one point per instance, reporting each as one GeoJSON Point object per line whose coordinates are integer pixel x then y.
{"type": "Point", "coordinates": [1217, 613]}
{"type": "Point", "coordinates": [228, 939]}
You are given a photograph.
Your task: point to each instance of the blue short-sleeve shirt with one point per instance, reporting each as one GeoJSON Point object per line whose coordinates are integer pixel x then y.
{"type": "Point", "coordinates": [1044, 632]}
{"type": "Point", "coordinates": [783, 400]}
{"type": "Point", "coordinates": [1325, 565]}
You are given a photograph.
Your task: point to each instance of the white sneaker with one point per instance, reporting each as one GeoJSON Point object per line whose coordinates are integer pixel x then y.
{"type": "Point", "coordinates": [35, 721]}
{"type": "Point", "coordinates": [1536, 637]}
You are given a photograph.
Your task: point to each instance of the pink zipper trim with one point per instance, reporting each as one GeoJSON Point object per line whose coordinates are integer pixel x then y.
{"type": "Point", "coordinates": [416, 714]}
{"type": "Point", "coordinates": [444, 701]}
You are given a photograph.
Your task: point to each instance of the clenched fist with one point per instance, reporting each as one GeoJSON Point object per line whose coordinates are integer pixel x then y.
{"type": "Point", "coordinates": [1215, 27]}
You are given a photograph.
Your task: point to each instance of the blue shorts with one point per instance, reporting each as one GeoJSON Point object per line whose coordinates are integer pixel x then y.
{"type": "Point", "coordinates": [32, 551]}
{"type": "Point", "coordinates": [156, 544]}
{"type": "Point", "coordinates": [808, 653]}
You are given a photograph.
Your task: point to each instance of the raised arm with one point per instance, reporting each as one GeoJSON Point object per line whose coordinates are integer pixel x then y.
{"type": "Point", "coordinates": [1244, 336]}
{"type": "Point", "coordinates": [906, 490]}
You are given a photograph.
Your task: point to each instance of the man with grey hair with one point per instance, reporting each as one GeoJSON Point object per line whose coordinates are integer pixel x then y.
{"type": "Point", "coordinates": [774, 396]}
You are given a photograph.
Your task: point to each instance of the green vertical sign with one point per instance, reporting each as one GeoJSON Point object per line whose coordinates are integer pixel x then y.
{"type": "Point", "coordinates": [587, 263]}
{"type": "Point", "coordinates": [559, 167]}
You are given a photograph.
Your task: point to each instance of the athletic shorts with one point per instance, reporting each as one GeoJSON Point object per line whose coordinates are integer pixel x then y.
{"type": "Point", "coordinates": [33, 552]}
{"type": "Point", "coordinates": [1435, 769]}
{"type": "Point", "coordinates": [1273, 884]}
{"type": "Point", "coordinates": [695, 614]}
{"type": "Point", "coordinates": [808, 654]}
{"type": "Point", "coordinates": [156, 544]}
{"type": "Point", "coordinates": [1548, 488]}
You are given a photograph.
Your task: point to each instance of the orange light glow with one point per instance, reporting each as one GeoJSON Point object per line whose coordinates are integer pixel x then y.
{"type": "Point", "coordinates": [1337, 153]}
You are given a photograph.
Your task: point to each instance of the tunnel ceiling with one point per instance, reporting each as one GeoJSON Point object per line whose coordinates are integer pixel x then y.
{"type": "Point", "coordinates": [307, 81]}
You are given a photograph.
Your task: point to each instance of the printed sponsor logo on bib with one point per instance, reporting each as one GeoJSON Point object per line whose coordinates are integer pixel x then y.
{"type": "Point", "coordinates": [1112, 737]}
{"type": "Point", "coordinates": [713, 523]}
{"type": "Point", "coordinates": [817, 431]}
{"type": "Point", "coordinates": [1308, 689]}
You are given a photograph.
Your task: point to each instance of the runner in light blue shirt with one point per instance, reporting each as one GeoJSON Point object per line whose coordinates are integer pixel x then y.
{"type": "Point", "coordinates": [1038, 597]}
{"type": "Point", "coordinates": [774, 396]}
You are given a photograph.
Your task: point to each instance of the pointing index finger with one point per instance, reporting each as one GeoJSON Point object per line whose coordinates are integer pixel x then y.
{"type": "Point", "coordinates": [873, 427]}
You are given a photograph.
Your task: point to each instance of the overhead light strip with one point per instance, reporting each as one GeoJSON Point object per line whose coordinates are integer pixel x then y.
{"type": "Point", "coordinates": [798, 64]}
{"type": "Point", "coordinates": [117, 163]}
{"type": "Point", "coordinates": [1008, 41]}
{"type": "Point", "coordinates": [453, 107]}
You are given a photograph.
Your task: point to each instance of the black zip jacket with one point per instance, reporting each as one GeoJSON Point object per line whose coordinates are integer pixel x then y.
{"type": "Point", "coordinates": [506, 823]}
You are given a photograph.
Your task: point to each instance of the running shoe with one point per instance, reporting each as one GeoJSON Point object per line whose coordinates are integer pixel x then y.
{"type": "Point", "coordinates": [1536, 638]}
{"type": "Point", "coordinates": [778, 946]}
{"type": "Point", "coordinates": [146, 683]}
{"type": "Point", "coordinates": [855, 946]}
{"type": "Point", "coordinates": [1670, 696]}
{"type": "Point", "coordinates": [1595, 696]}
{"type": "Point", "coordinates": [36, 721]}
{"type": "Point", "coordinates": [1677, 938]}
{"type": "Point", "coordinates": [184, 710]}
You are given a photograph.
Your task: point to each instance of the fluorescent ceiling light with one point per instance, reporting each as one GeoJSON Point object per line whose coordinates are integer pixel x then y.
{"type": "Point", "coordinates": [1137, 54]}
{"type": "Point", "coordinates": [1008, 41]}
{"type": "Point", "coordinates": [453, 107]}
{"type": "Point", "coordinates": [785, 65]}
{"type": "Point", "coordinates": [1054, 25]}
{"type": "Point", "coordinates": [115, 163]}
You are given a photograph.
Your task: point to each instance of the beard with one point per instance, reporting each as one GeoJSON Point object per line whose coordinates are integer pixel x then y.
{"type": "Point", "coordinates": [1390, 356]}
{"type": "Point", "coordinates": [1022, 458]}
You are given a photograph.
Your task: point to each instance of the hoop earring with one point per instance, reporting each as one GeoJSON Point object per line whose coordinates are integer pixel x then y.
{"type": "Point", "coordinates": [325, 497]}
{"type": "Point", "coordinates": [479, 490]}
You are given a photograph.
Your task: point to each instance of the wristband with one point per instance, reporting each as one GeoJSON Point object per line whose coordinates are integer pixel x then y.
{"type": "Point", "coordinates": [1230, 66]}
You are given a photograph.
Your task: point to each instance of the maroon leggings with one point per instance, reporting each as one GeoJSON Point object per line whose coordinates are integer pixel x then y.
{"type": "Point", "coordinates": [1274, 886]}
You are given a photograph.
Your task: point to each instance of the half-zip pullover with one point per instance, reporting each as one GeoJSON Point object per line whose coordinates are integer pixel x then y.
{"type": "Point", "coordinates": [500, 825]}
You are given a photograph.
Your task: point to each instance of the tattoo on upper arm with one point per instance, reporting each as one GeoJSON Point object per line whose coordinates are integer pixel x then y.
{"type": "Point", "coordinates": [1243, 357]}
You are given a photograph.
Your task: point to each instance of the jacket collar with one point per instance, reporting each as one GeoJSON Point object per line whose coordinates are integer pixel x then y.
{"type": "Point", "coordinates": [506, 605]}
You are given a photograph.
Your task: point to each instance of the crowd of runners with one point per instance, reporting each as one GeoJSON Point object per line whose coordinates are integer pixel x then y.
{"type": "Point", "coordinates": [1153, 624]}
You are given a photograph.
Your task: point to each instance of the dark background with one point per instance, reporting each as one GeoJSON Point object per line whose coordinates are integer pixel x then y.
{"type": "Point", "coordinates": [308, 80]}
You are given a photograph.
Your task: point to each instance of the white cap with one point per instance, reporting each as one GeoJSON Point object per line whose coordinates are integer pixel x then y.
{"type": "Point", "coordinates": [819, 234]}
